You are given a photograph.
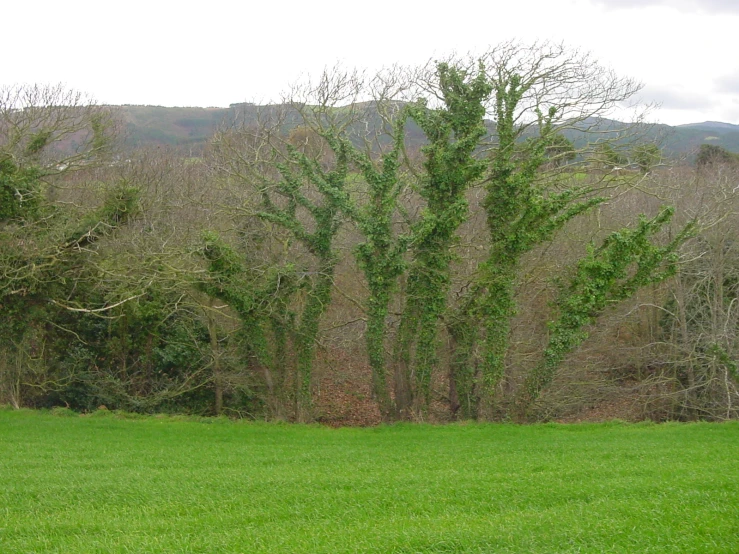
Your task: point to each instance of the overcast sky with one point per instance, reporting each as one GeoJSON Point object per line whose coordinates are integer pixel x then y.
{"type": "Point", "coordinates": [219, 52]}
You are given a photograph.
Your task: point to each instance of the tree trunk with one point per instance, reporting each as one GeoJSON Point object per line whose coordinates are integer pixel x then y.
{"type": "Point", "coordinates": [216, 354]}
{"type": "Point", "coordinates": [375, 338]}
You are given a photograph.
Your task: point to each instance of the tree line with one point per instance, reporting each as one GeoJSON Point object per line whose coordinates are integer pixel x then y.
{"type": "Point", "coordinates": [475, 262]}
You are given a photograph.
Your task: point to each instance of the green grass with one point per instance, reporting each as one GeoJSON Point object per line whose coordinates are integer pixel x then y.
{"type": "Point", "coordinates": [106, 484]}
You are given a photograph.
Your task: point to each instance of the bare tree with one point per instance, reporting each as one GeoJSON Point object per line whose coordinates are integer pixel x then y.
{"type": "Point", "coordinates": [53, 128]}
{"type": "Point", "coordinates": [697, 355]}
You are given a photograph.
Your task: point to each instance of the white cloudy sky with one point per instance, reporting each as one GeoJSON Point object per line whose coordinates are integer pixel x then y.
{"type": "Point", "coordinates": [218, 52]}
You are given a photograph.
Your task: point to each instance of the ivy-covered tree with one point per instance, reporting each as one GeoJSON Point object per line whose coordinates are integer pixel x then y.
{"type": "Point", "coordinates": [303, 196]}
{"type": "Point", "coordinates": [43, 259]}
{"type": "Point", "coordinates": [262, 305]}
{"type": "Point", "coordinates": [626, 261]}
{"type": "Point", "coordinates": [373, 143]}
{"type": "Point", "coordinates": [536, 93]}
{"type": "Point", "coordinates": [45, 133]}
{"type": "Point", "coordinates": [454, 131]}
{"type": "Point", "coordinates": [381, 255]}
{"type": "Point", "coordinates": [328, 170]}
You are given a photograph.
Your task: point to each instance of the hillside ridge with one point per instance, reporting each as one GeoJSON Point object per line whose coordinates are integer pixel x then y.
{"type": "Point", "coordinates": [193, 126]}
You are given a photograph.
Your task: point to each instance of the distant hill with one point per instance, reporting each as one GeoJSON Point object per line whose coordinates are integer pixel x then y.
{"type": "Point", "coordinates": [172, 126]}
{"type": "Point", "coordinates": [194, 126]}
{"type": "Point", "coordinates": [712, 125]}
{"type": "Point", "coordinates": [692, 135]}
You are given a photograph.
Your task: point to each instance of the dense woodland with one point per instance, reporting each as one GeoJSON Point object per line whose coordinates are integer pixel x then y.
{"type": "Point", "coordinates": [471, 239]}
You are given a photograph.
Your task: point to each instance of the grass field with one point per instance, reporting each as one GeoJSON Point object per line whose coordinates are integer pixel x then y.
{"type": "Point", "coordinates": [105, 484]}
